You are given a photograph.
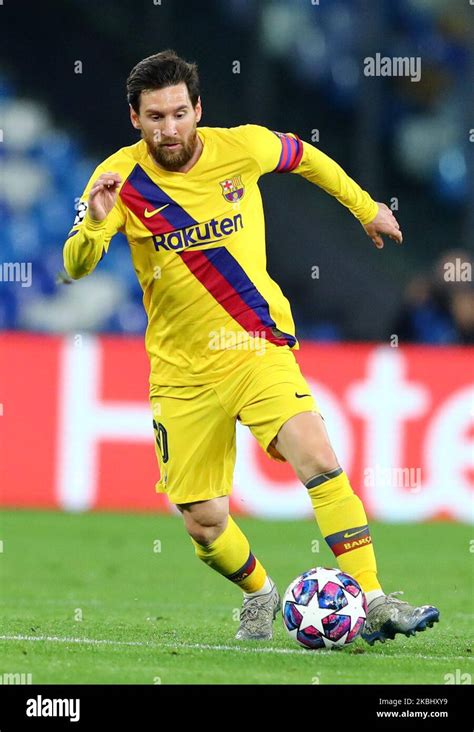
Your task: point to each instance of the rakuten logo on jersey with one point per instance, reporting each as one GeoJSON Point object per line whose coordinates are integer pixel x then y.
{"type": "Point", "coordinates": [192, 236]}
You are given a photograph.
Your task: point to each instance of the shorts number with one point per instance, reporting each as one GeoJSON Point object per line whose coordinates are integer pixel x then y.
{"type": "Point", "coordinates": [161, 440]}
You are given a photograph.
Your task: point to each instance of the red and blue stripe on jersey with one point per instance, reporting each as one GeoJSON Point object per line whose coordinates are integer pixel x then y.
{"type": "Point", "coordinates": [215, 268]}
{"type": "Point", "coordinates": [140, 193]}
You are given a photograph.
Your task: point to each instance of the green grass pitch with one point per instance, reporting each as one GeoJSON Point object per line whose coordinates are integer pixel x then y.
{"type": "Point", "coordinates": [122, 599]}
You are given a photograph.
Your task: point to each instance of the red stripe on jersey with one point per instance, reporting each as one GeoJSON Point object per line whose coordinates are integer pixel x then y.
{"type": "Point", "coordinates": [227, 296]}
{"type": "Point", "coordinates": [156, 224]}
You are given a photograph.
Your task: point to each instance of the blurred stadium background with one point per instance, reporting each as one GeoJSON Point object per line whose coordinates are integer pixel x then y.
{"type": "Point", "coordinates": [73, 374]}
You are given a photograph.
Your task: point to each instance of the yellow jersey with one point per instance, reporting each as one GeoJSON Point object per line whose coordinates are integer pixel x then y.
{"type": "Point", "coordinates": [197, 242]}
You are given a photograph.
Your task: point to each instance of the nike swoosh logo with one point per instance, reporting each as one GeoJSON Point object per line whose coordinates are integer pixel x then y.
{"type": "Point", "coordinates": [299, 396]}
{"type": "Point", "coordinates": [148, 214]}
{"type": "Point", "coordinates": [348, 536]}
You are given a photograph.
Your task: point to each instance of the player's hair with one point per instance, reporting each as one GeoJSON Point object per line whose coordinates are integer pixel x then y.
{"type": "Point", "coordinates": [159, 71]}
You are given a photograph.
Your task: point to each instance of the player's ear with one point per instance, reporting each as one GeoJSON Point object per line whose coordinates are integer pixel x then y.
{"type": "Point", "coordinates": [134, 118]}
{"type": "Point", "coordinates": [198, 109]}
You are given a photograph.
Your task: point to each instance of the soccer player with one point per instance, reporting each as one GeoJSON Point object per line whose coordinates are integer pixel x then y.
{"type": "Point", "coordinates": [220, 332]}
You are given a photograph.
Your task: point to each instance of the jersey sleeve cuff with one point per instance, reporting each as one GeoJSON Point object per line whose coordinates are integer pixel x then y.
{"type": "Point", "coordinates": [91, 224]}
{"type": "Point", "coordinates": [370, 214]}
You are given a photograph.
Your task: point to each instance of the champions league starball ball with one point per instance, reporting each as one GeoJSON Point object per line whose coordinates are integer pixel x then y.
{"type": "Point", "coordinates": [324, 608]}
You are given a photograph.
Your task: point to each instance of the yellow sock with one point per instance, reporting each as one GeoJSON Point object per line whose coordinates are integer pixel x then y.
{"type": "Point", "coordinates": [342, 520]}
{"type": "Point", "coordinates": [230, 555]}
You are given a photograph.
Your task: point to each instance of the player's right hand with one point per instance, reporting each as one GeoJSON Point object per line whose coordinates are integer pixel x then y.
{"type": "Point", "coordinates": [103, 195]}
{"type": "Point", "coordinates": [384, 223]}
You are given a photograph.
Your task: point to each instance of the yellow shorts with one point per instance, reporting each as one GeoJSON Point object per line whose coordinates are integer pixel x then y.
{"type": "Point", "coordinates": [195, 426]}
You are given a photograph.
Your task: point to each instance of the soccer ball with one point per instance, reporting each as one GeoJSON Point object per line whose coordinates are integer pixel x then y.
{"type": "Point", "coordinates": [324, 608]}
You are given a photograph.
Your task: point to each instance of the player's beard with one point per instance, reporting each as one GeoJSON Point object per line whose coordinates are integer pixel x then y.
{"type": "Point", "coordinates": [173, 160]}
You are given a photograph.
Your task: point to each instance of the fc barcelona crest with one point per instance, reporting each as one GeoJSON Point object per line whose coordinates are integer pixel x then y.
{"type": "Point", "coordinates": [232, 188]}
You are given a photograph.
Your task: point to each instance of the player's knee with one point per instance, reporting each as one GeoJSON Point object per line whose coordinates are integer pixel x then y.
{"type": "Point", "coordinates": [205, 526]}
{"type": "Point", "coordinates": [319, 460]}
{"type": "Point", "coordinates": [206, 520]}
{"type": "Point", "coordinates": [205, 534]}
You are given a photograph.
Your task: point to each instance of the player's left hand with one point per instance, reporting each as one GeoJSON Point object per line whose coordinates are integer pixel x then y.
{"type": "Point", "coordinates": [384, 223]}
